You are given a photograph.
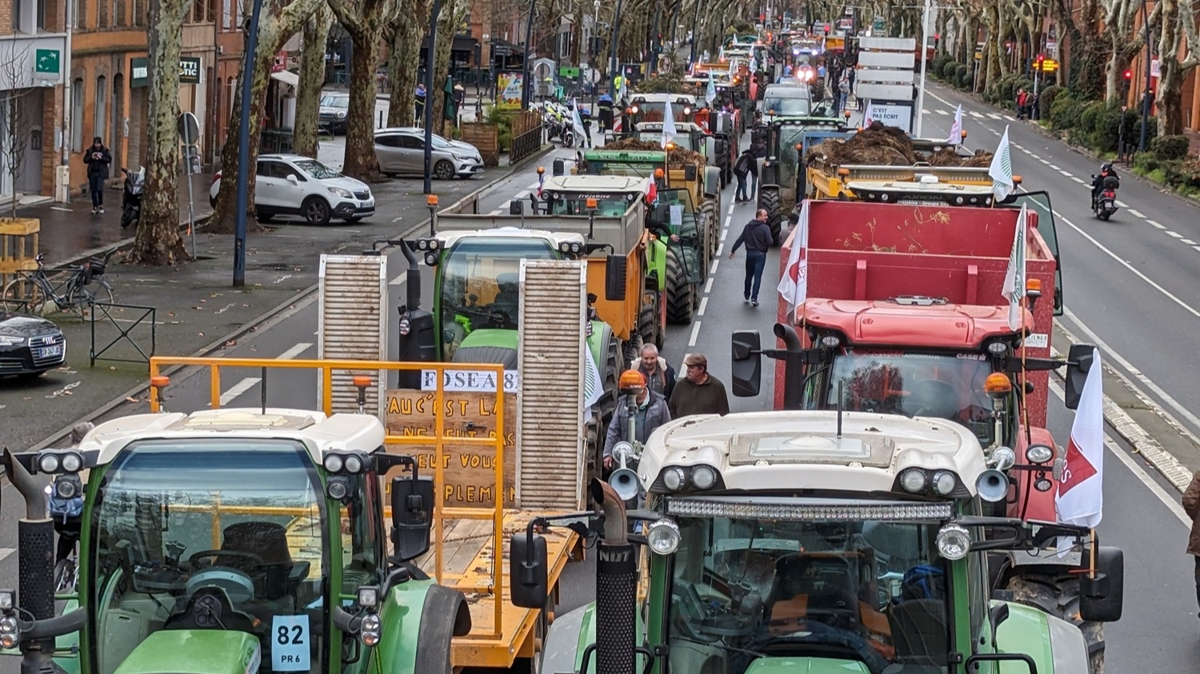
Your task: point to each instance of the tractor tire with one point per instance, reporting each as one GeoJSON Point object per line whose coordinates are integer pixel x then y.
{"type": "Point", "coordinates": [768, 199]}
{"type": "Point", "coordinates": [681, 295]}
{"type": "Point", "coordinates": [610, 372]}
{"type": "Point", "coordinates": [1059, 596]}
{"type": "Point", "coordinates": [648, 319]}
{"type": "Point", "coordinates": [633, 346]}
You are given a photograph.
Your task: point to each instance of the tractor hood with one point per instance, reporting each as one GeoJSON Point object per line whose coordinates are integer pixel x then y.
{"type": "Point", "coordinates": [194, 652]}
{"type": "Point", "coordinates": [489, 345]}
{"type": "Point", "coordinates": [796, 665]}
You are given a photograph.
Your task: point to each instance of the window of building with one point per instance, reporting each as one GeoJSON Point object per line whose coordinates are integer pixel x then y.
{"type": "Point", "coordinates": [101, 106]}
{"type": "Point", "coordinates": [102, 14]}
{"type": "Point", "coordinates": [28, 16]}
{"type": "Point", "coordinates": [77, 115]}
{"type": "Point", "coordinates": [210, 7]}
{"type": "Point", "coordinates": [226, 13]}
{"type": "Point", "coordinates": [78, 20]}
{"type": "Point", "coordinates": [121, 13]}
{"type": "Point", "coordinates": [139, 15]}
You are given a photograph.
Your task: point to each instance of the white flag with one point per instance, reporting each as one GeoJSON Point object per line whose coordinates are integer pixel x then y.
{"type": "Point", "coordinates": [1001, 170]}
{"type": "Point", "coordinates": [956, 128]}
{"type": "Point", "coordinates": [577, 123]}
{"type": "Point", "coordinates": [593, 386]}
{"type": "Point", "coordinates": [668, 132]}
{"type": "Point", "coordinates": [710, 94]}
{"type": "Point", "coordinates": [793, 287]}
{"type": "Point", "coordinates": [1080, 496]}
{"type": "Point", "coordinates": [1014, 278]}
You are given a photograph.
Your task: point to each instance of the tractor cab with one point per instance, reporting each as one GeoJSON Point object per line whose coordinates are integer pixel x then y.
{"type": "Point", "coordinates": [653, 107]}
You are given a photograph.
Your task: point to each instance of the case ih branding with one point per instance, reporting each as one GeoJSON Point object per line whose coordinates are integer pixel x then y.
{"type": "Point", "coordinates": [469, 380]}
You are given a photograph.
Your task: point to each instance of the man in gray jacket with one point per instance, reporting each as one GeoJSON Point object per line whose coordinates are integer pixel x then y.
{"type": "Point", "coordinates": [649, 412]}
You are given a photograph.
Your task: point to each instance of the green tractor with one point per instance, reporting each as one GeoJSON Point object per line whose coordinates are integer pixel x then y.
{"type": "Point", "coordinates": [228, 541]}
{"type": "Point", "coordinates": [812, 541]}
{"type": "Point", "coordinates": [782, 175]}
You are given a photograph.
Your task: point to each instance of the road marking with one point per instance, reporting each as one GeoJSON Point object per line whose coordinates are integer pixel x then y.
{"type": "Point", "coordinates": [1132, 211]}
{"type": "Point", "coordinates": [1017, 146]}
{"type": "Point", "coordinates": [498, 211]}
{"type": "Point", "coordinates": [976, 115]}
{"type": "Point", "coordinates": [943, 112]}
{"type": "Point", "coordinates": [708, 286]}
{"type": "Point", "coordinates": [1172, 503]}
{"type": "Point", "coordinates": [695, 334]}
{"type": "Point", "coordinates": [53, 208]}
{"type": "Point", "coordinates": [731, 209]}
{"type": "Point", "coordinates": [1075, 178]}
{"type": "Point", "coordinates": [720, 249]}
{"type": "Point", "coordinates": [238, 389]}
{"type": "Point", "coordinates": [728, 219]}
{"type": "Point", "coordinates": [994, 116]}
{"type": "Point", "coordinates": [1197, 248]}
{"type": "Point", "coordinates": [1177, 235]}
{"type": "Point", "coordinates": [703, 306]}
{"type": "Point", "coordinates": [1156, 224]}
{"type": "Point", "coordinates": [521, 195]}
{"type": "Point", "coordinates": [1054, 167]}
{"type": "Point", "coordinates": [926, 112]}
{"type": "Point", "coordinates": [399, 280]}
{"type": "Point", "coordinates": [294, 351]}
{"type": "Point", "coordinates": [724, 233]}
{"type": "Point", "coordinates": [1122, 204]}
{"type": "Point", "coordinates": [714, 266]}
{"type": "Point", "coordinates": [1010, 118]}
{"type": "Point", "coordinates": [1131, 268]}
{"type": "Point", "coordinates": [1066, 173]}
{"type": "Point", "coordinates": [1189, 242]}
{"type": "Point", "coordinates": [1042, 160]}
{"type": "Point", "coordinates": [5, 552]}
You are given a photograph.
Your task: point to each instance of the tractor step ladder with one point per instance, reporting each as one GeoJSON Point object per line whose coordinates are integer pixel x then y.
{"type": "Point", "coordinates": [352, 324]}
{"type": "Point", "coordinates": [552, 363]}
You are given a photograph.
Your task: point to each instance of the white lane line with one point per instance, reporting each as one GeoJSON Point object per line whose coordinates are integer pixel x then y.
{"type": "Point", "coordinates": [498, 211]}
{"type": "Point", "coordinates": [1177, 235]}
{"type": "Point", "coordinates": [1043, 161]}
{"type": "Point", "coordinates": [1054, 167]}
{"type": "Point", "coordinates": [238, 389]}
{"type": "Point", "coordinates": [976, 115]}
{"type": "Point", "coordinates": [1067, 174]}
{"type": "Point", "coordinates": [5, 552]}
{"type": "Point", "coordinates": [1017, 146]}
{"type": "Point", "coordinates": [1076, 178]}
{"type": "Point", "coordinates": [1172, 503]}
{"type": "Point", "coordinates": [714, 267]}
{"type": "Point", "coordinates": [295, 351]}
{"type": "Point", "coordinates": [703, 306]}
{"type": "Point", "coordinates": [927, 112]}
{"type": "Point", "coordinates": [943, 112]}
{"type": "Point", "coordinates": [724, 233]}
{"type": "Point", "coordinates": [1197, 248]}
{"type": "Point", "coordinates": [708, 286]}
{"type": "Point", "coordinates": [521, 195]}
{"type": "Point", "coordinates": [730, 212]}
{"type": "Point", "coordinates": [1131, 268]}
{"type": "Point", "coordinates": [1189, 242]}
{"type": "Point", "coordinates": [399, 280]}
{"type": "Point", "coordinates": [1010, 118]}
{"type": "Point", "coordinates": [720, 249]}
{"type": "Point", "coordinates": [695, 333]}
{"type": "Point", "coordinates": [1156, 224]}
{"type": "Point", "coordinates": [1122, 204]}
{"type": "Point", "coordinates": [994, 116]}
{"type": "Point", "coordinates": [1132, 211]}
{"type": "Point", "coordinates": [728, 219]}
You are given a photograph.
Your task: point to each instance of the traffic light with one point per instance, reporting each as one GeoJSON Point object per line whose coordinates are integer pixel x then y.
{"type": "Point", "coordinates": [1128, 75]}
{"type": "Point", "coordinates": [937, 39]}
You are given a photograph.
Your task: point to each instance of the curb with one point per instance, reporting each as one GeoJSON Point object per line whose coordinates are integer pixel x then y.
{"type": "Point", "coordinates": [1132, 433]}
{"type": "Point", "coordinates": [303, 296]}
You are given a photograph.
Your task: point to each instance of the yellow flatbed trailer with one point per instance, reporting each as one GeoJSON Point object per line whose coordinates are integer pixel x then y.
{"type": "Point", "coordinates": [464, 538]}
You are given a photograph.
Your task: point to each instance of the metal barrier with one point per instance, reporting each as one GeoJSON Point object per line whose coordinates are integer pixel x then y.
{"type": "Point", "coordinates": [123, 334]}
{"type": "Point", "coordinates": [439, 439]}
{"type": "Point", "coordinates": [526, 135]}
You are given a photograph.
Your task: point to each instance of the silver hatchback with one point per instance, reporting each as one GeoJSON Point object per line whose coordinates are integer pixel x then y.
{"type": "Point", "coordinates": [401, 152]}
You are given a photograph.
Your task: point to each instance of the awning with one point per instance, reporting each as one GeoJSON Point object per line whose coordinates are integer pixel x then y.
{"type": "Point", "coordinates": [287, 77]}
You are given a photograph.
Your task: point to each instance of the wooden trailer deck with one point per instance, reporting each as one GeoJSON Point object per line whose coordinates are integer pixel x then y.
{"type": "Point", "coordinates": [467, 559]}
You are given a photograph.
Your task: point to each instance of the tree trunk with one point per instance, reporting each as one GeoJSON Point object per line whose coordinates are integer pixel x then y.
{"type": "Point", "coordinates": [452, 16]}
{"type": "Point", "coordinates": [360, 118]}
{"type": "Point", "coordinates": [158, 241]}
{"type": "Point", "coordinates": [407, 31]}
{"type": "Point", "coordinates": [312, 80]}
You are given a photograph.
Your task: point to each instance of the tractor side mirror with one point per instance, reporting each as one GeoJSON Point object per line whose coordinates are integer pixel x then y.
{"type": "Point", "coordinates": [1101, 599]}
{"type": "Point", "coordinates": [412, 516]}
{"type": "Point", "coordinates": [527, 563]}
{"type": "Point", "coordinates": [417, 342]}
{"type": "Point", "coordinates": [1079, 361]}
{"type": "Point", "coordinates": [747, 363]}
{"type": "Point", "coordinates": [615, 269]}
{"type": "Point", "coordinates": [559, 167]}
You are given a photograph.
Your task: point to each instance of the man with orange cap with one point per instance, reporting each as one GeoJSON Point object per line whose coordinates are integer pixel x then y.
{"type": "Point", "coordinates": [646, 409]}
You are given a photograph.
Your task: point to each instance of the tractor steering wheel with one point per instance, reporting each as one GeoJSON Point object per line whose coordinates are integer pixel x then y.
{"type": "Point", "coordinates": [216, 554]}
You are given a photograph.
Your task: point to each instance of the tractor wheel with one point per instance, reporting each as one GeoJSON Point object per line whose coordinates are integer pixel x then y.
{"type": "Point", "coordinates": [633, 346]}
{"type": "Point", "coordinates": [648, 322]}
{"type": "Point", "coordinates": [681, 295]}
{"type": "Point", "coordinates": [712, 228]}
{"type": "Point", "coordinates": [768, 199]}
{"type": "Point", "coordinates": [610, 371]}
{"type": "Point", "coordinates": [1059, 596]}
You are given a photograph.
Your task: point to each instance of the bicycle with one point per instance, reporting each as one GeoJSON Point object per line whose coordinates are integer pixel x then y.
{"type": "Point", "coordinates": [31, 291]}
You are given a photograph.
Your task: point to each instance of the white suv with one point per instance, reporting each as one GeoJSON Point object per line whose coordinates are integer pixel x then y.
{"type": "Point", "coordinates": [292, 184]}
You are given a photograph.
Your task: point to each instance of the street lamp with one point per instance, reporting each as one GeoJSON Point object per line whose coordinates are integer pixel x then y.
{"type": "Point", "coordinates": [244, 168]}
{"type": "Point", "coordinates": [525, 89]}
{"type": "Point", "coordinates": [429, 61]}
{"type": "Point", "coordinates": [921, 54]}
{"type": "Point", "coordinates": [1146, 92]}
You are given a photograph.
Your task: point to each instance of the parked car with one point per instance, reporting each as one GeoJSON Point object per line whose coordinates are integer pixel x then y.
{"type": "Point", "coordinates": [334, 108]}
{"type": "Point", "coordinates": [401, 152]}
{"type": "Point", "coordinates": [29, 345]}
{"type": "Point", "coordinates": [292, 184]}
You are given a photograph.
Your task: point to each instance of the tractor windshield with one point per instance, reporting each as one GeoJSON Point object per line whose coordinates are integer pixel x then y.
{"type": "Point", "coordinates": [681, 213]}
{"type": "Point", "coordinates": [179, 526]}
{"type": "Point", "coordinates": [607, 205]}
{"type": "Point", "coordinates": [480, 283]}
{"type": "Point", "coordinates": [872, 592]}
{"type": "Point", "coordinates": [683, 140]}
{"type": "Point", "coordinates": [789, 155]}
{"type": "Point", "coordinates": [946, 386]}
{"type": "Point", "coordinates": [655, 111]}
{"type": "Point", "coordinates": [786, 106]}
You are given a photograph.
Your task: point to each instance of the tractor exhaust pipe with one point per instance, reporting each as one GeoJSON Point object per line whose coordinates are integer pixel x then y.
{"type": "Point", "coordinates": [616, 586]}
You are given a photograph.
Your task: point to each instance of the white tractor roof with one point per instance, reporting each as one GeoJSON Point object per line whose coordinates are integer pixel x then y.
{"type": "Point", "coordinates": [801, 449]}
{"type": "Point", "coordinates": [449, 238]}
{"type": "Point", "coordinates": [590, 184]}
{"type": "Point", "coordinates": [663, 98]}
{"type": "Point", "coordinates": [319, 433]}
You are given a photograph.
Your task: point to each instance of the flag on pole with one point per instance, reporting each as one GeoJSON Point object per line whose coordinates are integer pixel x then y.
{"type": "Point", "coordinates": [710, 94]}
{"type": "Point", "coordinates": [593, 386]}
{"type": "Point", "coordinates": [577, 123]}
{"type": "Point", "coordinates": [1001, 170]}
{"type": "Point", "coordinates": [1014, 278]}
{"type": "Point", "coordinates": [668, 131]}
{"type": "Point", "coordinates": [793, 287]}
{"type": "Point", "coordinates": [1080, 496]}
{"type": "Point", "coordinates": [956, 128]}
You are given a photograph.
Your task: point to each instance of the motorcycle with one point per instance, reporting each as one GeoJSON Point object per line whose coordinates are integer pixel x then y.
{"type": "Point", "coordinates": [1105, 204]}
{"type": "Point", "coordinates": [131, 197]}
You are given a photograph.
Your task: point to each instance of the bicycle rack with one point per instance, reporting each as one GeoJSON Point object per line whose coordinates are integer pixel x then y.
{"type": "Point", "coordinates": [123, 334]}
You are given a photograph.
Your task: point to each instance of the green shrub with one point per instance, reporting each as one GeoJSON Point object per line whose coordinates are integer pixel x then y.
{"type": "Point", "coordinates": [1088, 118]}
{"type": "Point", "coordinates": [1108, 130]}
{"type": "Point", "coordinates": [960, 75]}
{"type": "Point", "coordinates": [1145, 162]}
{"type": "Point", "coordinates": [1151, 128]}
{"type": "Point", "coordinates": [1169, 147]}
{"type": "Point", "coordinates": [949, 69]}
{"type": "Point", "coordinates": [968, 81]}
{"type": "Point", "coordinates": [1046, 99]}
{"type": "Point", "coordinates": [1065, 112]}
{"type": "Point", "coordinates": [1183, 174]}
{"type": "Point", "coordinates": [938, 66]}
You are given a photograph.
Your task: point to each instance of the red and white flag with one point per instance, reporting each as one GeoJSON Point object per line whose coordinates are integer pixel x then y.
{"type": "Point", "coordinates": [793, 287]}
{"type": "Point", "coordinates": [1080, 497]}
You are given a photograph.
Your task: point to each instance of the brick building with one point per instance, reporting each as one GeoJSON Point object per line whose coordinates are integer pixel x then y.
{"type": "Point", "coordinates": [33, 56]}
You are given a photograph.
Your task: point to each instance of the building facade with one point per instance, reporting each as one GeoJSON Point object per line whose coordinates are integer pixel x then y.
{"type": "Point", "coordinates": [33, 58]}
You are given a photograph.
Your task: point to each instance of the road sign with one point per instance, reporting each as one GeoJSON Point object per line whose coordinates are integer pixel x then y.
{"type": "Point", "coordinates": [1046, 65]}
{"type": "Point", "coordinates": [189, 128]}
{"type": "Point", "coordinates": [47, 61]}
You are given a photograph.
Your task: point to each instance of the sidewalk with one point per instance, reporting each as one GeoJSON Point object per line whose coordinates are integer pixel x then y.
{"type": "Point", "coordinates": [70, 230]}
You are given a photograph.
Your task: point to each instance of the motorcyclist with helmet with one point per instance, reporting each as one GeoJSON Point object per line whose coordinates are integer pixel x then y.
{"type": "Point", "coordinates": [1106, 179]}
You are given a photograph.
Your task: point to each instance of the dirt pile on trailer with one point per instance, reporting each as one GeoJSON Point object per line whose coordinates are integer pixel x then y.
{"type": "Point", "coordinates": [879, 145]}
{"type": "Point", "coordinates": [679, 157]}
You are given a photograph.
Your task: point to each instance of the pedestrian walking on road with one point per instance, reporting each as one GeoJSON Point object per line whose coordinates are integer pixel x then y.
{"type": "Point", "coordinates": [659, 374]}
{"type": "Point", "coordinates": [1191, 505]}
{"type": "Point", "coordinates": [98, 159]}
{"type": "Point", "coordinates": [746, 165]}
{"type": "Point", "coordinates": [758, 239]}
{"type": "Point", "coordinates": [649, 412]}
{"type": "Point", "coordinates": [698, 392]}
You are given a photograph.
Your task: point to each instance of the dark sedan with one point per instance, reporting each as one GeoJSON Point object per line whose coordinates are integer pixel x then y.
{"type": "Point", "coordinates": [29, 345]}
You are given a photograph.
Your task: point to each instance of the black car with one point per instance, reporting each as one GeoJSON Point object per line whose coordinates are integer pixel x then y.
{"type": "Point", "coordinates": [29, 345]}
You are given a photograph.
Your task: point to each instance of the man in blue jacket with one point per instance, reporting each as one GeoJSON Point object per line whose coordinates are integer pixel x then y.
{"type": "Point", "coordinates": [758, 239]}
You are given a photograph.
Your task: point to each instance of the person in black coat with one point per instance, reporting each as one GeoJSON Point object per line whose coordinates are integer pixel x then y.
{"type": "Point", "coordinates": [97, 158]}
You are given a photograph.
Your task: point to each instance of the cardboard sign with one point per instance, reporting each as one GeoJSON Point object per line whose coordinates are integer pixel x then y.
{"type": "Point", "coordinates": [468, 470]}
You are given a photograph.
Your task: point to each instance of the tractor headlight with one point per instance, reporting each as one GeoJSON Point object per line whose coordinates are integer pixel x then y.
{"type": "Point", "coordinates": [913, 480]}
{"type": "Point", "coordinates": [831, 341]}
{"type": "Point", "coordinates": [663, 537]}
{"type": "Point", "coordinates": [1039, 454]}
{"type": "Point", "coordinates": [674, 478]}
{"type": "Point", "coordinates": [338, 487]}
{"type": "Point", "coordinates": [369, 628]}
{"type": "Point", "coordinates": [704, 477]}
{"type": "Point", "coordinates": [53, 461]}
{"type": "Point", "coordinates": [953, 542]}
{"type": "Point", "coordinates": [368, 596]}
{"type": "Point", "coordinates": [431, 259]}
{"type": "Point", "coordinates": [333, 463]}
{"type": "Point", "coordinates": [997, 348]}
{"type": "Point", "coordinates": [8, 600]}
{"type": "Point", "coordinates": [67, 486]}
{"type": "Point", "coordinates": [944, 482]}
